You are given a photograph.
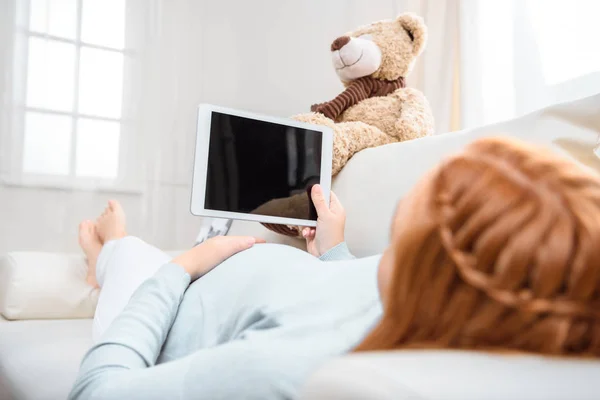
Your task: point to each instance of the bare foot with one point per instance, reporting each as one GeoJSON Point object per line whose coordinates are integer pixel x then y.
{"type": "Point", "coordinates": [91, 245]}
{"type": "Point", "coordinates": [111, 224]}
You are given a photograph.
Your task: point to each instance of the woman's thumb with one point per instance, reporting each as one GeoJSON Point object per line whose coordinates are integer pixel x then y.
{"type": "Point", "coordinates": [318, 199]}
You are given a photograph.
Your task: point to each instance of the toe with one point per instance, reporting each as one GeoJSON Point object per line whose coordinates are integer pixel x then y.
{"type": "Point", "coordinates": [87, 231]}
{"type": "Point", "coordinates": [86, 225]}
{"type": "Point", "coordinates": [116, 207]}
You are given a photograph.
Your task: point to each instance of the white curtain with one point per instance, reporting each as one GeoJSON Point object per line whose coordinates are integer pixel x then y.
{"type": "Point", "coordinates": [492, 60]}
{"type": "Point", "coordinates": [517, 56]}
{"type": "Point", "coordinates": [436, 71]}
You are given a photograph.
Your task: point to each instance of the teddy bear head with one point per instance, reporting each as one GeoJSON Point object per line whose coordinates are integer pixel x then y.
{"type": "Point", "coordinates": [383, 50]}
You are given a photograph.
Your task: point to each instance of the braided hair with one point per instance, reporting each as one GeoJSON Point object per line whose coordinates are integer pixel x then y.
{"type": "Point", "coordinates": [502, 252]}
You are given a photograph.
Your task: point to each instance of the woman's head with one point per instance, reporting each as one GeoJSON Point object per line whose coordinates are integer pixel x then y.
{"type": "Point", "coordinates": [497, 248]}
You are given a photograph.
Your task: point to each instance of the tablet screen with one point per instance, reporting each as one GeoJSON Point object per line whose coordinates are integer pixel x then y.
{"type": "Point", "coordinates": [252, 162]}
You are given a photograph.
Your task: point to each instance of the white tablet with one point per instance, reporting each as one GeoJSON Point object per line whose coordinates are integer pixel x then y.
{"type": "Point", "coordinates": [244, 160]}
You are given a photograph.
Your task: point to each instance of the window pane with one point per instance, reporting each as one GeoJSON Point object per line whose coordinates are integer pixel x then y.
{"type": "Point", "coordinates": [47, 144]}
{"type": "Point", "coordinates": [97, 148]}
{"type": "Point", "coordinates": [100, 82]}
{"type": "Point", "coordinates": [54, 17]}
{"type": "Point", "coordinates": [103, 23]}
{"type": "Point", "coordinates": [50, 74]}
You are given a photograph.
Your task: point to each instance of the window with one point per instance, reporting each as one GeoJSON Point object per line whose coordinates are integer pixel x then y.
{"type": "Point", "coordinates": [70, 124]}
{"type": "Point", "coordinates": [524, 55]}
{"type": "Point", "coordinates": [567, 36]}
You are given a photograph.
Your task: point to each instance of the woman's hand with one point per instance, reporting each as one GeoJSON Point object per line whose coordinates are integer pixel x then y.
{"type": "Point", "coordinates": [207, 255]}
{"type": "Point", "coordinates": [331, 222]}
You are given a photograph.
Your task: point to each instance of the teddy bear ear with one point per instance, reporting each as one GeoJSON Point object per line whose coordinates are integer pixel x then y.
{"type": "Point", "coordinates": [416, 29]}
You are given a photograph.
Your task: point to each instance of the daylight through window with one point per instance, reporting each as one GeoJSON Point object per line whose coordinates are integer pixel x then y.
{"type": "Point", "coordinates": [74, 87]}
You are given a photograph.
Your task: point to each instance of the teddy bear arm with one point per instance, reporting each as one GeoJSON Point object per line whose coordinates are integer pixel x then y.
{"type": "Point", "coordinates": [314, 118]}
{"type": "Point", "coordinates": [416, 117]}
{"type": "Point", "coordinates": [350, 138]}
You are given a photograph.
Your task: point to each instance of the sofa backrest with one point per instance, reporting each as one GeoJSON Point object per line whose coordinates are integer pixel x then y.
{"type": "Point", "coordinates": [373, 181]}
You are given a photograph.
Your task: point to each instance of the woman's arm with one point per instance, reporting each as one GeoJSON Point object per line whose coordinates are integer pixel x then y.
{"type": "Point", "coordinates": [134, 339]}
{"type": "Point", "coordinates": [230, 371]}
{"type": "Point", "coordinates": [337, 253]}
{"type": "Point", "coordinates": [125, 356]}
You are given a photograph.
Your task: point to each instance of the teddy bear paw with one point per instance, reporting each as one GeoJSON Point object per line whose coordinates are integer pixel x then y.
{"type": "Point", "coordinates": [314, 118]}
{"type": "Point", "coordinates": [315, 107]}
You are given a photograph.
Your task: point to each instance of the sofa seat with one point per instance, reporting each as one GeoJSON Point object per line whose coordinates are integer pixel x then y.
{"type": "Point", "coordinates": [39, 359]}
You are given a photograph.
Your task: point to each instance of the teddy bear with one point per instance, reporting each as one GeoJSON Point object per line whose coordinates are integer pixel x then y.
{"type": "Point", "coordinates": [376, 107]}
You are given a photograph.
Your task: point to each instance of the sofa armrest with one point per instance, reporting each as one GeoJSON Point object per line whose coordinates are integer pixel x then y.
{"type": "Point", "coordinates": [38, 285]}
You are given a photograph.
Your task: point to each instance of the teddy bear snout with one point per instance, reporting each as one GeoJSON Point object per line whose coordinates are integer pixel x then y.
{"type": "Point", "coordinates": [340, 42]}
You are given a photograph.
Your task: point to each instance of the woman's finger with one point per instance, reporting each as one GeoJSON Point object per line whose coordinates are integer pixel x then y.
{"type": "Point", "coordinates": [244, 242]}
{"type": "Point", "coordinates": [234, 244]}
{"type": "Point", "coordinates": [308, 234]}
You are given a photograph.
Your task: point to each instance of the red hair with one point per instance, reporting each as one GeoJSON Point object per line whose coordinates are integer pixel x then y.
{"type": "Point", "coordinates": [502, 251]}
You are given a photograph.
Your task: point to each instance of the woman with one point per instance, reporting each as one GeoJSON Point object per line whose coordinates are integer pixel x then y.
{"type": "Point", "coordinates": [493, 250]}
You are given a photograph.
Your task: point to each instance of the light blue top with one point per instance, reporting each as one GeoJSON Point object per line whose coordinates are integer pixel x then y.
{"type": "Point", "coordinates": [255, 327]}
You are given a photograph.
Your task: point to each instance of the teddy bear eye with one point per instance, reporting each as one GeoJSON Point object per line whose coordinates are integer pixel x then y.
{"type": "Point", "coordinates": [366, 36]}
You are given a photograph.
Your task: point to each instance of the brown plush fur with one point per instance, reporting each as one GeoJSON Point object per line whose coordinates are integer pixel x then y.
{"type": "Point", "coordinates": [401, 115]}
{"type": "Point", "coordinates": [401, 42]}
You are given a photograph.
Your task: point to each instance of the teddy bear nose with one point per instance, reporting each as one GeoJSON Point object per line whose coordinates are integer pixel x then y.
{"type": "Point", "coordinates": [340, 42]}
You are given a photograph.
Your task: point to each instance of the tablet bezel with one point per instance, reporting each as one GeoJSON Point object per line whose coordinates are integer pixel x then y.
{"type": "Point", "coordinates": [200, 173]}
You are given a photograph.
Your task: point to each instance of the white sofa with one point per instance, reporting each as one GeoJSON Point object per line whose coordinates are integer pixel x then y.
{"type": "Point", "coordinates": [39, 357]}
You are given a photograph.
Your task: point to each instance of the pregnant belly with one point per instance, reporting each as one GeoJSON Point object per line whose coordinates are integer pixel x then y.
{"type": "Point", "coordinates": [270, 252]}
{"type": "Point", "coordinates": [266, 259]}
{"type": "Point", "coordinates": [266, 287]}
{"type": "Point", "coordinates": [258, 272]}
{"type": "Point", "coordinates": [250, 286]}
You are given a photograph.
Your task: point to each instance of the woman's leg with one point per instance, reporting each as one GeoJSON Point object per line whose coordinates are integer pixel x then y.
{"type": "Point", "coordinates": [121, 266]}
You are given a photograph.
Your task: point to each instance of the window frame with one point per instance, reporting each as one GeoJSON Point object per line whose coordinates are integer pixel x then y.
{"type": "Point", "coordinates": [129, 174]}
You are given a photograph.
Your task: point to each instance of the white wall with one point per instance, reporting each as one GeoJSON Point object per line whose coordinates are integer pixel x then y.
{"type": "Point", "coordinates": [269, 56]}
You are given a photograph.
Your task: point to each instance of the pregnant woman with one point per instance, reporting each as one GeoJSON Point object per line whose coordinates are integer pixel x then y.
{"type": "Point", "coordinates": [495, 249]}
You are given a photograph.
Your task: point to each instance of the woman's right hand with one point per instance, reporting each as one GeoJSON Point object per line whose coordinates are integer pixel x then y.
{"type": "Point", "coordinates": [212, 252]}
{"type": "Point", "coordinates": [331, 222]}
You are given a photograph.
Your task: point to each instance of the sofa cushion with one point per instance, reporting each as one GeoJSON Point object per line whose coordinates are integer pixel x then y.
{"type": "Point", "coordinates": [431, 375]}
{"type": "Point", "coordinates": [37, 285]}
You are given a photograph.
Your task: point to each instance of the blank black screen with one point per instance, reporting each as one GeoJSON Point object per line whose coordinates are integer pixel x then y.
{"type": "Point", "coordinates": [251, 162]}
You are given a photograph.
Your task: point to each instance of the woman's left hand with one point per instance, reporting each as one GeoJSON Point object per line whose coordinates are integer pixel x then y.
{"type": "Point", "coordinates": [330, 224]}
{"type": "Point", "coordinates": [207, 255]}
